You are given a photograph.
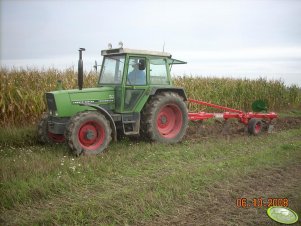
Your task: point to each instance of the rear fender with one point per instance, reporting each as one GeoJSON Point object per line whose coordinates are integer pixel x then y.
{"type": "Point", "coordinates": [180, 91]}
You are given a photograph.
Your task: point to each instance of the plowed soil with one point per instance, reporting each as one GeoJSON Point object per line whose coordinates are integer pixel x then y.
{"type": "Point", "coordinates": [216, 128]}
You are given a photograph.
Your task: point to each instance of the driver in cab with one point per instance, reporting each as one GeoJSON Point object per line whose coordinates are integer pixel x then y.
{"type": "Point", "coordinates": [137, 75]}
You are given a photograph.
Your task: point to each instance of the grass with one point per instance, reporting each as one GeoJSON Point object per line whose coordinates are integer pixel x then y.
{"type": "Point", "coordinates": [291, 113]}
{"type": "Point", "coordinates": [18, 136]}
{"type": "Point", "coordinates": [132, 183]}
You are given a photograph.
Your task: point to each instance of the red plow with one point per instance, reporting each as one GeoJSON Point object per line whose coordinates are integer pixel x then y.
{"type": "Point", "coordinates": [254, 121]}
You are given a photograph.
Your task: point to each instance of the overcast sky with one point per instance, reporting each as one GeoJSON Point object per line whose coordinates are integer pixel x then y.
{"type": "Point", "coordinates": [246, 38]}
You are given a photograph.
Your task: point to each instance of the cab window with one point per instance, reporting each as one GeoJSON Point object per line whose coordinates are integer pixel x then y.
{"type": "Point", "coordinates": [112, 70]}
{"type": "Point", "coordinates": [158, 72]}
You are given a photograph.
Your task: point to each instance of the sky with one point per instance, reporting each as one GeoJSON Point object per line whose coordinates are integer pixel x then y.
{"type": "Point", "coordinates": [230, 38]}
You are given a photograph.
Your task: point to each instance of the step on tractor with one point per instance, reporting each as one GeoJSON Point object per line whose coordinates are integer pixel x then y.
{"type": "Point", "coordinates": [134, 96]}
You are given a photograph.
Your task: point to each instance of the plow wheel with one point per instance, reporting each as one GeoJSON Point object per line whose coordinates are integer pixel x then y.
{"type": "Point", "coordinates": [255, 126]}
{"type": "Point", "coordinates": [88, 133]}
{"type": "Point", "coordinates": [165, 118]}
{"type": "Point", "coordinates": [46, 137]}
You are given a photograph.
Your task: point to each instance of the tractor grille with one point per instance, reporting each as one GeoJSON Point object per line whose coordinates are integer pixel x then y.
{"type": "Point", "coordinates": [50, 102]}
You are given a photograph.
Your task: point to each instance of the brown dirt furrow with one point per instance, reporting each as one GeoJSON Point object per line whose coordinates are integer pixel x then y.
{"type": "Point", "coordinates": [216, 204]}
{"type": "Point", "coordinates": [218, 128]}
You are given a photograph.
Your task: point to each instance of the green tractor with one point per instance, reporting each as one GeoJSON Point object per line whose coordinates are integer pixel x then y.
{"type": "Point", "coordinates": [134, 96]}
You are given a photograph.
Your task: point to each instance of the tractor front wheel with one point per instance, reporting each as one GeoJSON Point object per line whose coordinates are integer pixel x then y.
{"type": "Point", "coordinates": [46, 137]}
{"type": "Point", "coordinates": [88, 133]}
{"type": "Point", "coordinates": [165, 118]}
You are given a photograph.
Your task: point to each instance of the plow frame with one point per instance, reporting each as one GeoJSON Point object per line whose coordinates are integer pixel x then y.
{"type": "Point", "coordinates": [229, 113]}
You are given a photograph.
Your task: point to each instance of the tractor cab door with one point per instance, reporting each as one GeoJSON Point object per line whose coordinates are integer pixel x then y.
{"type": "Point", "coordinates": [135, 84]}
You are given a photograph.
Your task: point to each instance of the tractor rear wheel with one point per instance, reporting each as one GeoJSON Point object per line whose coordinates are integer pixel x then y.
{"type": "Point", "coordinates": [255, 126]}
{"type": "Point", "coordinates": [46, 137]}
{"type": "Point", "coordinates": [165, 118]}
{"type": "Point", "coordinates": [88, 133]}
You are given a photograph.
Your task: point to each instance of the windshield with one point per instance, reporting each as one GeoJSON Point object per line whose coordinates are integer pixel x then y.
{"type": "Point", "coordinates": [112, 70]}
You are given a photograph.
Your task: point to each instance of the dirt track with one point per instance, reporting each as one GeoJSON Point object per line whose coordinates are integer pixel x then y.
{"type": "Point", "coordinates": [217, 206]}
{"type": "Point", "coordinates": [218, 128]}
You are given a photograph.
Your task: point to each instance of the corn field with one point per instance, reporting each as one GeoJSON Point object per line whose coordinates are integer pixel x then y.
{"type": "Point", "coordinates": [22, 92]}
{"type": "Point", "coordinates": [240, 93]}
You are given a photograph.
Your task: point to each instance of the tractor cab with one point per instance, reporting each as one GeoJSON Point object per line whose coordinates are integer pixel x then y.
{"type": "Point", "coordinates": [134, 73]}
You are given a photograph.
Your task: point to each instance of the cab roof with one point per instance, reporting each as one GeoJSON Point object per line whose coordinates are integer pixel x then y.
{"type": "Point", "coordinates": [108, 52]}
{"type": "Point", "coordinates": [133, 51]}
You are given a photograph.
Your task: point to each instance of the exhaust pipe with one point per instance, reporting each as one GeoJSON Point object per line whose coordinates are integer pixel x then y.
{"type": "Point", "coordinates": [80, 78]}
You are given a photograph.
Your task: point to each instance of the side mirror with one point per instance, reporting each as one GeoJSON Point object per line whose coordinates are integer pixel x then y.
{"type": "Point", "coordinates": [141, 64]}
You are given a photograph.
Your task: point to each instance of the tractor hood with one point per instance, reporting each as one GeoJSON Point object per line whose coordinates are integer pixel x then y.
{"type": "Point", "coordinates": [65, 103]}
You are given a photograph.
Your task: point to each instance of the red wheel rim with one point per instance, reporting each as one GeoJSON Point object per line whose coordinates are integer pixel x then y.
{"type": "Point", "coordinates": [91, 135]}
{"type": "Point", "coordinates": [258, 127]}
{"type": "Point", "coordinates": [57, 138]}
{"type": "Point", "coordinates": [169, 121]}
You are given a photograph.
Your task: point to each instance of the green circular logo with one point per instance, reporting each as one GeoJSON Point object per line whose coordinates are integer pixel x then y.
{"type": "Point", "coordinates": [282, 215]}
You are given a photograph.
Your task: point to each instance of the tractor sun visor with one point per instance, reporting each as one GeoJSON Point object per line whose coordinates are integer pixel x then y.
{"type": "Point", "coordinates": [174, 61]}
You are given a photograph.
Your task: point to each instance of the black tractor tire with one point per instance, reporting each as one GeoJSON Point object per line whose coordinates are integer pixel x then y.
{"type": "Point", "coordinates": [164, 118]}
{"type": "Point", "coordinates": [255, 126]}
{"type": "Point", "coordinates": [44, 136]}
{"type": "Point", "coordinates": [88, 133]}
